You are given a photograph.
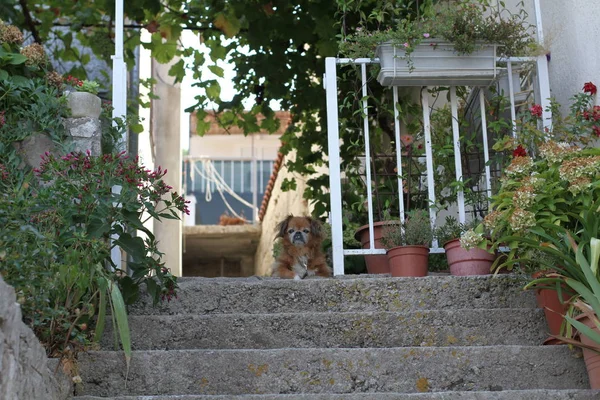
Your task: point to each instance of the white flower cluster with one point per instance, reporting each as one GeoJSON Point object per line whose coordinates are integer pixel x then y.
{"type": "Point", "coordinates": [521, 219]}
{"type": "Point", "coordinates": [579, 185]}
{"type": "Point", "coordinates": [524, 196]}
{"type": "Point", "coordinates": [579, 167]}
{"type": "Point", "coordinates": [519, 166]}
{"type": "Point", "coordinates": [556, 152]}
{"type": "Point", "coordinates": [470, 239]}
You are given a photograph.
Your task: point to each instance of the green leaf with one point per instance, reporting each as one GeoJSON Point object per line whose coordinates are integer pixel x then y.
{"type": "Point", "coordinates": [228, 23]}
{"type": "Point", "coordinates": [101, 321]}
{"type": "Point", "coordinates": [136, 128]}
{"type": "Point", "coordinates": [134, 246]}
{"type": "Point", "coordinates": [17, 59]}
{"type": "Point", "coordinates": [213, 90]}
{"type": "Point", "coordinates": [215, 69]}
{"type": "Point", "coordinates": [178, 70]}
{"type": "Point", "coordinates": [120, 313]}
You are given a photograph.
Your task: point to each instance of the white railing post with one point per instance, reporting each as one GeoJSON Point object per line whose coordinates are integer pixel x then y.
{"type": "Point", "coordinates": [460, 195]}
{"type": "Point", "coordinates": [511, 95]}
{"type": "Point", "coordinates": [429, 160]}
{"type": "Point", "coordinates": [363, 70]}
{"type": "Point", "coordinates": [542, 71]}
{"type": "Point", "coordinates": [398, 154]}
{"type": "Point", "coordinates": [335, 184]}
{"type": "Point", "coordinates": [486, 152]}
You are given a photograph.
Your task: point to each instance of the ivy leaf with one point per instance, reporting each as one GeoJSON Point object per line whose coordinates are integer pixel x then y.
{"type": "Point", "coordinates": [215, 69]}
{"type": "Point", "coordinates": [289, 185]}
{"type": "Point", "coordinates": [228, 24]}
{"type": "Point", "coordinates": [178, 70]}
{"type": "Point", "coordinates": [213, 90]}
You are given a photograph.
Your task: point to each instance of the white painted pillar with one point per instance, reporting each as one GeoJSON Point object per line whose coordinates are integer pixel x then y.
{"type": "Point", "coordinates": [165, 127]}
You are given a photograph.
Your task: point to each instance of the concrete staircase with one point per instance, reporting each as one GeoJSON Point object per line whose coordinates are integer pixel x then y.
{"type": "Point", "coordinates": [439, 337]}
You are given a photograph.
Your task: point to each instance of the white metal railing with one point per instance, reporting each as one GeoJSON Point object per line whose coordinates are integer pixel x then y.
{"type": "Point", "coordinates": [330, 82]}
{"type": "Point", "coordinates": [220, 175]}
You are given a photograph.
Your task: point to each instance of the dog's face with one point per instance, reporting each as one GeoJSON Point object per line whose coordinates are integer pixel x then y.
{"type": "Point", "coordinates": [299, 231]}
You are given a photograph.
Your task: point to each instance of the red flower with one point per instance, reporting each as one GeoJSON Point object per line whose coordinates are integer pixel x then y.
{"type": "Point", "coordinates": [536, 110]}
{"type": "Point", "coordinates": [596, 130]}
{"type": "Point", "coordinates": [590, 88]}
{"type": "Point", "coordinates": [519, 151]}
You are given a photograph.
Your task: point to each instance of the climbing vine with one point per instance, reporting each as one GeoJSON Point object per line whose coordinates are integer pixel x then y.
{"type": "Point", "coordinates": [277, 47]}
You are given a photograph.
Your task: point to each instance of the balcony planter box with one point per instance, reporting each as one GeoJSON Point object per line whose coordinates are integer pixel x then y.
{"type": "Point", "coordinates": [436, 64]}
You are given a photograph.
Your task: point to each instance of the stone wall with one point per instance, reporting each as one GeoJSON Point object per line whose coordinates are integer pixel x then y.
{"type": "Point", "coordinates": [26, 373]}
{"type": "Point", "coordinates": [84, 134]}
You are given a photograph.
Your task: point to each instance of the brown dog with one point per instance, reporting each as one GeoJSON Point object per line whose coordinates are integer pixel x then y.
{"type": "Point", "coordinates": [301, 255]}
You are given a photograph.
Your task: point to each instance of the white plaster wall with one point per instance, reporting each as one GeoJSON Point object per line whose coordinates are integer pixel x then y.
{"type": "Point", "coordinates": [572, 34]}
{"type": "Point", "coordinates": [224, 146]}
{"type": "Point", "coordinates": [281, 204]}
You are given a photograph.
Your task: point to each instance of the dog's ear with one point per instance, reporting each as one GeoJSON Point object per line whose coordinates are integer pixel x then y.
{"type": "Point", "coordinates": [282, 227]}
{"type": "Point", "coordinates": [316, 229]}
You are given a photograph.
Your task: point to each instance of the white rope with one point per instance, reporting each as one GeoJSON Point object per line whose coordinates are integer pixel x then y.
{"type": "Point", "coordinates": [211, 174]}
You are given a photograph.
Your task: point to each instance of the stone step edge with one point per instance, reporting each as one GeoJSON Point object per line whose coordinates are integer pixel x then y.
{"type": "Point", "coordinates": [532, 394]}
{"type": "Point", "coordinates": [333, 349]}
{"type": "Point", "coordinates": [341, 313]}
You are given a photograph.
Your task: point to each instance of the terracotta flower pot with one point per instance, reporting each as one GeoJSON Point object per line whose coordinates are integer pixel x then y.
{"type": "Point", "coordinates": [376, 264]}
{"type": "Point", "coordinates": [408, 260]}
{"type": "Point", "coordinates": [554, 310]}
{"type": "Point", "coordinates": [591, 358]}
{"type": "Point", "coordinates": [468, 262]}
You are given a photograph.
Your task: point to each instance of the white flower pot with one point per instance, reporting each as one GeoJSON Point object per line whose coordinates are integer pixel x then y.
{"type": "Point", "coordinates": [83, 104]}
{"type": "Point", "coordinates": [436, 64]}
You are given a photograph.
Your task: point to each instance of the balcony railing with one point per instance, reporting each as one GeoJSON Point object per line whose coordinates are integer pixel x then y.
{"type": "Point", "coordinates": [233, 185]}
{"type": "Point", "coordinates": [518, 93]}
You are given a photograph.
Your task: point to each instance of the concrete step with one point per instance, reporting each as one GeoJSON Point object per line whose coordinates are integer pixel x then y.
{"type": "Point", "coordinates": [335, 371]}
{"type": "Point", "coordinates": [525, 326]}
{"type": "Point", "coordinates": [268, 295]}
{"type": "Point", "coordinates": [503, 395]}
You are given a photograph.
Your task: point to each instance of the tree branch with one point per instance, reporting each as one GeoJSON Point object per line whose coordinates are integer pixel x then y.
{"type": "Point", "coordinates": [29, 21]}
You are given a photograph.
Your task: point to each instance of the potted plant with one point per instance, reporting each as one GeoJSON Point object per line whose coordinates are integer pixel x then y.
{"type": "Point", "coordinates": [553, 253]}
{"type": "Point", "coordinates": [454, 44]}
{"type": "Point", "coordinates": [582, 325]}
{"type": "Point", "coordinates": [408, 245]}
{"type": "Point", "coordinates": [83, 101]}
{"type": "Point", "coordinates": [462, 242]}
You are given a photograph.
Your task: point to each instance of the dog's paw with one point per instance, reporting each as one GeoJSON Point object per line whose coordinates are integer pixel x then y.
{"type": "Point", "coordinates": [297, 277]}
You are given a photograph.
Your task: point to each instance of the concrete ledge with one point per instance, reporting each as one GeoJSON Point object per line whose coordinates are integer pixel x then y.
{"type": "Point", "coordinates": [221, 241]}
{"type": "Point", "coordinates": [335, 371]}
{"type": "Point", "coordinates": [269, 295]}
{"type": "Point", "coordinates": [337, 330]}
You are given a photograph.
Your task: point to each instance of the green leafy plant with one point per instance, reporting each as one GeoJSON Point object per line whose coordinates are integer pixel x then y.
{"type": "Point", "coordinates": [92, 87]}
{"type": "Point", "coordinates": [466, 24]}
{"type": "Point", "coordinates": [577, 254]}
{"type": "Point", "coordinates": [62, 227]}
{"type": "Point", "coordinates": [452, 229]}
{"type": "Point", "coordinates": [552, 178]}
{"type": "Point", "coordinates": [415, 231]}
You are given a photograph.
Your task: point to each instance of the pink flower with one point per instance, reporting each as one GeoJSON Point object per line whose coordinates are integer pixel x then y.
{"type": "Point", "coordinates": [590, 88]}
{"type": "Point", "coordinates": [406, 44]}
{"type": "Point", "coordinates": [536, 110]}
{"type": "Point", "coordinates": [426, 35]}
